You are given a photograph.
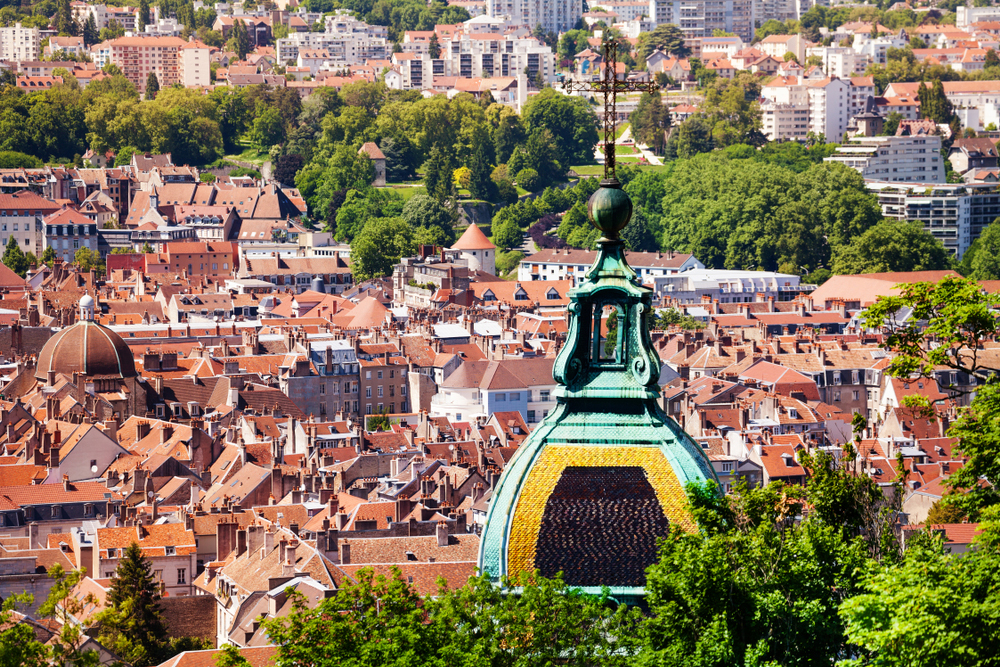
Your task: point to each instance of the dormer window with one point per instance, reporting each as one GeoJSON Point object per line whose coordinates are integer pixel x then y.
{"type": "Point", "coordinates": [171, 551]}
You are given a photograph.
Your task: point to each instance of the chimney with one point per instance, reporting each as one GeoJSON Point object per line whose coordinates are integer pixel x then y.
{"type": "Point", "coordinates": [441, 530]}
{"type": "Point", "coordinates": [241, 541]}
{"type": "Point", "coordinates": [225, 538]}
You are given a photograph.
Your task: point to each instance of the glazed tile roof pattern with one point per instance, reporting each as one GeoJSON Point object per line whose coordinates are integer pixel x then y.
{"type": "Point", "coordinates": [153, 540]}
{"type": "Point", "coordinates": [532, 522]}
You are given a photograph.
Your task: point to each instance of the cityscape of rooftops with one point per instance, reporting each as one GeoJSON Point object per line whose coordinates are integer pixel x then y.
{"type": "Point", "coordinates": [482, 333]}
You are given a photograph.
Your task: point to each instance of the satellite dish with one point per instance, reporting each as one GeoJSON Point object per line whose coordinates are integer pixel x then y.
{"type": "Point", "coordinates": [93, 469]}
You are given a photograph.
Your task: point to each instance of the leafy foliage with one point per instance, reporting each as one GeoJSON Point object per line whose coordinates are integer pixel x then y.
{"type": "Point", "coordinates": [892, 245]}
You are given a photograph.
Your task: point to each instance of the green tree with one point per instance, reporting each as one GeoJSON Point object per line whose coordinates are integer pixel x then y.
{"type": "Point", "coordinates": [241, 41]}
{"type": "Point", "coordinates": [985, 255]}
{"type": "Point", "coordinates": [380, 245]}
{"type": "Point", "coordinates": [508, 234]}
{"type": "Point", "coordinates": [90, 33]}
{"type": "Point", "coordinates": [637, 235]}
{"type": "Point", "coordinates": [424, 211]}
{"type": "Point", "coordinates": [528, 179]}
{"type": "Point", "coordinates": [267, 129]}
{"type": "Point", "coordinates": [18, 645]}
{"type": "Point", "coordinates": [143, 19]}
{"type": "Point", "coordinates": [934, 104]}
{"type": "Point", "coordinates": [650, 122]}
{"type": "Point", "coordinates": [152, 86]}
{"type": "Point", "coordinates": [48, 256]}
{"type": "Point", "coordinates": [571, 122]}
{"type": "Point", "coordinates": [88, 260]}
{"type": "Point", "coordinates": [434, 47]}
{"type": "Point", "coordinates": [665, 37]}
{"type": "Point", "coordinates": [146, 248]}
{"type": "Point", "coordinates": [480, 167]}
{"type": "Point", "coordinates": [132, 623]}
{"type": "Point", "coordinates": [63, 606]}
{"type": "Point", "coordinates": [230, 656]}
{"type": "Point", "coordinates": [14, 259]}
{"type": "Point", "coordinates": [64, 19]}
{"type": "Point", "coordinates": [751, 586]}
{"type": "Point", "coordinates": [507, 262]}
{"type": "Point", "coordinates": [992, 60]}
{"type": "Point", "coordinates": [959, 319]}
{"type": "Point", "coordinates": [438, 171]}
{"type": "Point", "coordinates": [933, 608]}
{"type": "Point", "coordinates": [892, 245]}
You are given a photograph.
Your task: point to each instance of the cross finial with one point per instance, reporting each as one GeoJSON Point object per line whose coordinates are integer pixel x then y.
{"type": "Point", "coordinates": [610, 85]}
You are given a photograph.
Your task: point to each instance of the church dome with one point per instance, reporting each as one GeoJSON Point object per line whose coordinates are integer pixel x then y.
{"type": "Point", "coordinates": [87, 348]}
{"type": "Point", "coordinates": [602, 477]}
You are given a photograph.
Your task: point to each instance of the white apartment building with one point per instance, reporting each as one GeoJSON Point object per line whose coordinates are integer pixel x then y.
{"type": "Point", "coordinates": [103, 15]}
{"type": "Point", "coordinates": [783, 10]}
{"type": "Point", "coordinates": [966, 16]}
{"type": "Point", "coordinates": [842, 62]}
{"type": "Point", "coordinates": [347, 40]}
{"type": "Point", "coordinates": [915, 159]}
{"type": "Point", "coordinates": [728, 286]}
{"type": "Point", "coordinates": [777, 46]}
{"type": "Point", "coordinates": [729, 46]}
{"type": "Point", "coordinates": [553, 15]}
{"type": "Point", "coordinates": [572, 264]}
{"type": "Point", "coordinates": [629, 10]}
{"type": "Point", "coordinates": [956, 214]}
{"type": "Point", "coordinates": [877, 47]}
{"type": "Point", "coordinates": [195, 66]}
{"type": "Point", "coordinates": [477, 56]}
{"type": "Point", "coordinates": [829, 107]}
{"type": "Point", "coordinates": [784, 122]}
{"type": "Point", "coordinates": [18, 43]}
{"type": "Point", "coordinates": [700, 18]}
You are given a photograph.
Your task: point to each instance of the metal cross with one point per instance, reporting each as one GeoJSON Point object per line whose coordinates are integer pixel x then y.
{"type": "Point", "coordinates": [610, 86]}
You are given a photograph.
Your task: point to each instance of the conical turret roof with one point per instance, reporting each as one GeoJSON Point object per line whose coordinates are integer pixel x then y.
{"type": "Point", "coordinates": [473, 239]}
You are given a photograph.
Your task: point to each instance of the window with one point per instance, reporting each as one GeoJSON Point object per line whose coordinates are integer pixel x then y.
{"type": "Point", "coordinates": [158, 575]}
{"type": "Point", "coordinates": [380, 375]}
{"type": "Point", "coordinates": [368, 409]}
{"type": "Point", "coordinates": [515, 396]}
{"type": "Point", "coordinates": [368, 375]}
{"type": "Point", "coordinates": [857, 395]}
{"type": "Point", "coordinates": [368, 392]}
{"type": "Point", "coordinates": [402, 390]}
{"type": "Point", "coordinates": [322, 389]}
{"type": "Point", "coordinates": [531, 416]}
{"type": "Point", "coordinates": [543, 395]}
{"type": "Point", "coordinates": [392, 390]}
{"type": "Point", "coordinates": [171, 551]}
{"type": "Point", "coordinates": [501, 398]}
{"type": "Point", "coordinates": [727, 467]}
{"type": "Point", "coordinates": [181, 575]}
{"type": "Point", "coordinates": [380, 394]}
{"type": "Point", "coordinates": [392, 374]}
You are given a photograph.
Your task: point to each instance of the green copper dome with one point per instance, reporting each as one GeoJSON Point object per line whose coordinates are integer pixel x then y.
{"type": "Point", "coordinates": [602, 478]}
{"type": "Point", "coordinates": [610, 209]}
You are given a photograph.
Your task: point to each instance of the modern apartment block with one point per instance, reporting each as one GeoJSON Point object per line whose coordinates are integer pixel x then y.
{"type": "Point", "coordinates": [138, 56]}
{"type": "Point", "coordinates": [956, 214]}
{"type": "Point", "coordinates": [347, 40]}
{"type": "Point", "coordinates": [18, 43]}
{"type": "Point", "coordinates": [553, 15]}
{"type": "Point", "coordinates": [700, 18]}
{"type": "Point", "coordinates": [477, 56]}
{"type": "Point", "coordinates": [911, 159]}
